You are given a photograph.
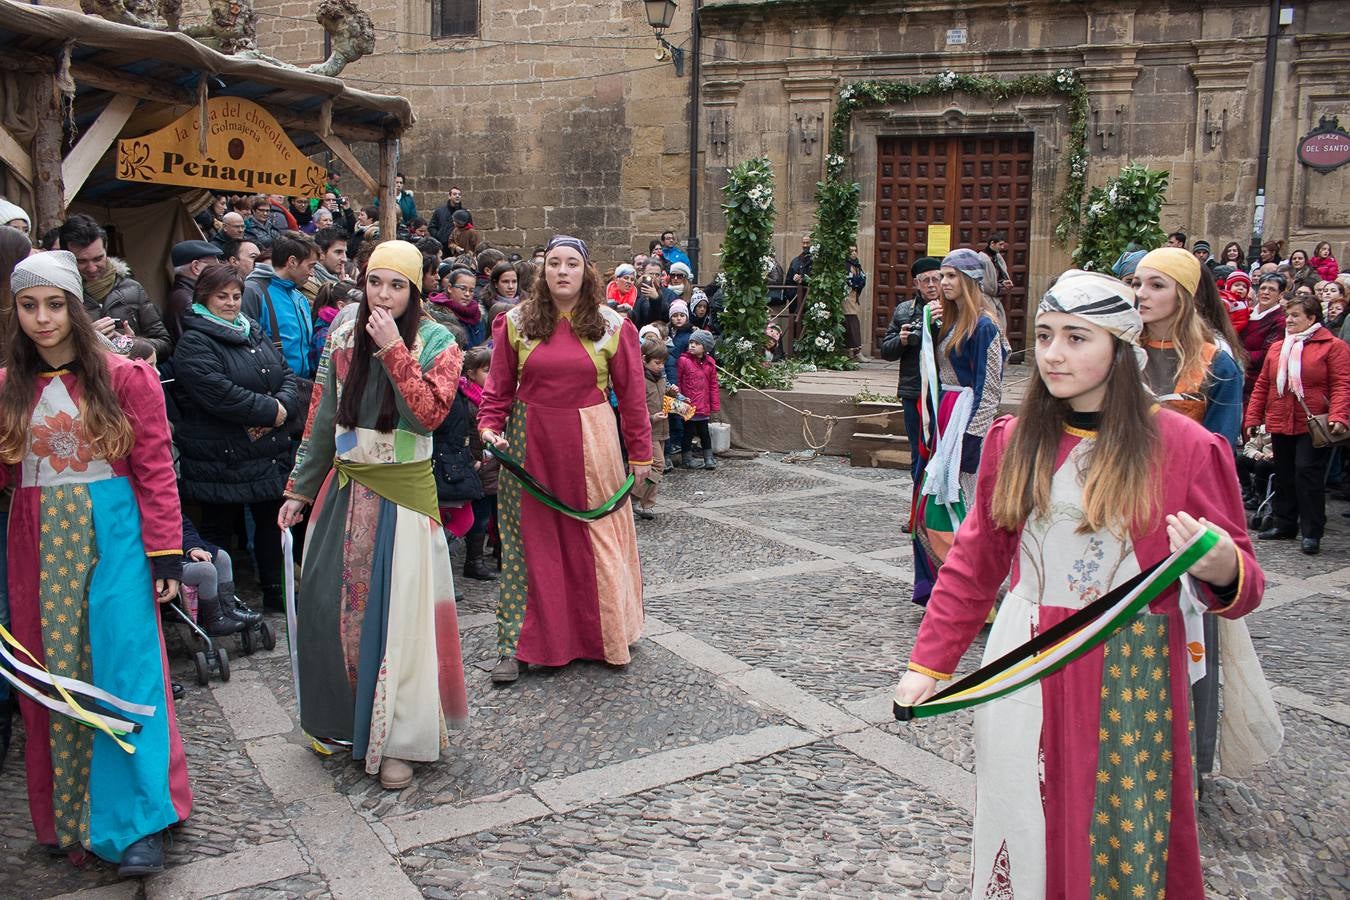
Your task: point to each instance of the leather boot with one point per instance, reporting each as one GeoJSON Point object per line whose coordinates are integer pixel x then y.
{"type": "Point", "coordinates": [395, 774]}
{"type": "Point", "coordinates": [709, 461]}
{"type": "Point", "coordinates": [506, 670]}
{"type": "Point", "coordinates": [144, 857]}
{"type": "Point", "coordinates": [212, 617]}
{"type": "Point", "coordinates": [234, 607]}
{"type": "Point", "coordinates": [474, 567]}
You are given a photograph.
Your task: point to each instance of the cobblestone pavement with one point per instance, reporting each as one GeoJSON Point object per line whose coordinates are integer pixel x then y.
{"type": "Point", "coordinates": [748, 750]}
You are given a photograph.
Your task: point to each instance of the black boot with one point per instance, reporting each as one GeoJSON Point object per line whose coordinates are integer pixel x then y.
{"type": "Point", "coordinates": [212, 617]}
{"type": "Point", "coordinates": [474, 567]}
{"type": "Point", "coordinates": [234, 607]}
{"type": "Point", "coordinates": [144, 857]}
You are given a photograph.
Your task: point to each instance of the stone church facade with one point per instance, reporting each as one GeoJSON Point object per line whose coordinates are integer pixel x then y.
{"type": "Point", "coordinates": [554, 116]}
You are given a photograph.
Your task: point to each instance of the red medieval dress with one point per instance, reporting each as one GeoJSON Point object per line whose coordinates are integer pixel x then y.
{"type": "Point", "coordinates": [1085, 782]}
{"type": "Point", "coordinates": [570, 589]}
{"type": "Point", "coordinates": [82, 531]}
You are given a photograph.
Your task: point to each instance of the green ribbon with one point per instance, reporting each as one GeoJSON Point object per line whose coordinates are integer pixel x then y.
{"type": "Point", "coordinates": [1148, 584]}
{"type": "Point", "coordinates": [411, 484]}
{"type": "Point", "coordinates": [546, 497]}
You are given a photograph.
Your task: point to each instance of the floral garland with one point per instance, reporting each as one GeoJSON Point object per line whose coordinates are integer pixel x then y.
{"type": "Point", "coordinates": [744, 274]}
{"type": "Point", "coordinates": [837, 197]}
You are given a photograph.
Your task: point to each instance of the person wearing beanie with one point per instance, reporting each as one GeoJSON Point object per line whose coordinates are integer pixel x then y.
{"type": "Point", "coordinates": [388, 380]}
{"type": "Point", "coordinates": [1067, 795]}
{"type": "Point", "coordinates": [571, 587]}
{"type": "Point", "coordinates": [697, 374]}
{"type": "Point", "coordinates": [969, 350]}
{"type": "Point", "coordinates": [622, 291]}
{"type": "Point", "coordinates": [1189, 372]}
{"type": "Point", "coordinates": [1205, 254]}
{"type": "Point", "coordinates": [13, 215]}
{"type": "Point", "coordinates": [902, 341]}
{"type": "Point", "coordinates": [681, 330]}
{"type": "Point", "coordinates": [1236, 293]}
{"type": "Point", "coordinates": [104, 451]}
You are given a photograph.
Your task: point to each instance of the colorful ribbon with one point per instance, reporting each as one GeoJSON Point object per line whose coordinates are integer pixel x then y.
{"type": "Point", "coordinates": [1060, 645]}
{"type": "Point", "coordinates": [546, 497]}
{"type": "Point", "coordinates": [68, 706]}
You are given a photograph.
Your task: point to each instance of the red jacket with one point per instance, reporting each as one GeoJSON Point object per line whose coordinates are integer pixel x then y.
{"type": "Point", "coordinates": [1325, 266]}
{"type": "Point", "coordinates": [698, 382]}
{"type": "Point", "coordinates": [1326, 387]}
{"type": "Point", "coordinates": [1257, 336]}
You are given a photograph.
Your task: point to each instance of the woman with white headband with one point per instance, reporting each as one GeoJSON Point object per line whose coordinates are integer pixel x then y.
{"type": "Point", "coordinates": [1084, 780]}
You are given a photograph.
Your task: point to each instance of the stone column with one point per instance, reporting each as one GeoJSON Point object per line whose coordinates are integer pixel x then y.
{"type": "Point", "coordinates": [720, 152]}
{"type": "Point", "coordinates": [1227, 119]}
{"type": "Point", "coordinates": [809, 107]}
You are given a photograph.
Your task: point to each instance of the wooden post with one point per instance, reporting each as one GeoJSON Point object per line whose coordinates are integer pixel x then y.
{"type": "Point", "coordinates": [388, 205]}
{"type": "Point", "coordinates": [49, 193]}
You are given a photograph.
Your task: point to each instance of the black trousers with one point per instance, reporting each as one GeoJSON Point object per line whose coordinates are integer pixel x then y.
{"type": "Point", "coordinates": [222, 523]}
{"type": "Point", "coordinates": [697, 427]}
{"type": "Point", "coordinates": [1300, 493]}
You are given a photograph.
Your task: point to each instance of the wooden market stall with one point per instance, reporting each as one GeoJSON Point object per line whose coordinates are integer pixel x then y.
{"type": "Point", "coordinates": [72, 87]}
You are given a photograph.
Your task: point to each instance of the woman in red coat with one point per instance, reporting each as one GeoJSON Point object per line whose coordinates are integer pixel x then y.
{"type": "Point", "coordinates": [1311, 367]}
{"type": "Point", "coordinates": [1265, 326]}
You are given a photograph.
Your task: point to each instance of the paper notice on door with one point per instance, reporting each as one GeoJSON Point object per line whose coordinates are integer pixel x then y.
{"type": "Point", "coordinates": [939, 240]}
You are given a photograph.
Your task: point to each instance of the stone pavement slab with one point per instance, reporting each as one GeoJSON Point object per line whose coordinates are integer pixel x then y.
{"type": "Point", "coordinates": [748, 750]}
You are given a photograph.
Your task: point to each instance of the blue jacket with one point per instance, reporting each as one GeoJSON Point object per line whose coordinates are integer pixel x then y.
{"type": "Point", "coordinates": [679, 343]}
{"type": "Point", "coordinates": [1223, 411]}
{"type": "Point", "coordinates": [673, 255]}
{"type": "Point", "coordinates": [266, 294]}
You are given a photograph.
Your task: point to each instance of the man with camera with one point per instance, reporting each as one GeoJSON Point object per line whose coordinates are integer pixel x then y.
{"type": "Point", "coordinates": [116, 302]}
{"type": "Point", "coordinates": [903, 340]}
{"type": "Point", "coordinates": [653, 301]}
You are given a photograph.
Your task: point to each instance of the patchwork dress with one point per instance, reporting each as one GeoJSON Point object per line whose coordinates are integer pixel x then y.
{"type": "Point", "coordinates": [1086, 780]}
{"type": "Point", "coordinates": [570, 589]}
{"type": "Point", "coordinates": [377, 640]}
{"type": "Point", "coordinates": [82, 531]}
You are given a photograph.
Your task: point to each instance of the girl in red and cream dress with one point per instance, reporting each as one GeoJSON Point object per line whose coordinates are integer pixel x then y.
{"type": "Point", "coordinates": [570, 589]}
{"type": "Point", "coordinates": [1085, 780]}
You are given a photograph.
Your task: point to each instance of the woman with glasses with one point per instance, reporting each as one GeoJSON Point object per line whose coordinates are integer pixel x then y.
{"type": "Point", "coordinates": [1264, 327]}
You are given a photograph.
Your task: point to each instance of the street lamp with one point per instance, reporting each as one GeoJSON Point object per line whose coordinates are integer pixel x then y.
{"type": "Point", "coordinates": [661, 15]}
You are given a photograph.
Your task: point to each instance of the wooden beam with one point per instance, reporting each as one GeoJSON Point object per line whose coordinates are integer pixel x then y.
{"type": "Point", "coordinates": [80, 161]}
{"type": "Point", "coordinates": [388, 207]}
{"type": "Point", "coordinates": [49, 196]}
{"type": "Point", "coordinates": [326, 118]}
{"type": "Point", "coordinates": [16, 157]}
{"type": "Point", "coordinates": [344, 153]}
{"type": "Point", "coordinates": [203, 120]}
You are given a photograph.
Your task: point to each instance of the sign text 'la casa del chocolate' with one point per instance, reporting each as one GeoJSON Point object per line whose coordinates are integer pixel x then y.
{"type": "Point", "coordinates": [246, 152]}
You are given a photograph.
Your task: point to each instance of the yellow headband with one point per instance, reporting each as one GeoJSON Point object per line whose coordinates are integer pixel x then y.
{"type": "Point", "coordinates": [401, 257]}
{"type": "Point", "coordinates": [1177, 264]}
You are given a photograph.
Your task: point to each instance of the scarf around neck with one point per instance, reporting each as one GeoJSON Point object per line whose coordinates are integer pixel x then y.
{"type": "Point", "coordinates": [102, 285]}
{"type": "Point", "coordinates": [468, 312]}
{"type": "Point", "coordinates": [240, 323]}
{"type": "Point", "coordinates": [1291, 361]}
{"type": "Point", "coordinates": [471, 389]}
{"type": "Point", "coordinates": [1258, 314]}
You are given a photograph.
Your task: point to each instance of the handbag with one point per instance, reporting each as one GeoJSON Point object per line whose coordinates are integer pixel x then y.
{"type": "Point", "coordinates": [1319, 428]}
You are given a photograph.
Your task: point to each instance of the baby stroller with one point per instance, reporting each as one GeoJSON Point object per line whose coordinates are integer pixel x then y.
{"type": "Point", "coordinates": [1263, 516]}
{"type": "Point", "coordinates": [208, 655]}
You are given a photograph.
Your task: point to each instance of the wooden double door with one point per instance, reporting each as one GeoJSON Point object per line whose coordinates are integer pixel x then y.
{"type": "Point", "coordinates": [977, 184]}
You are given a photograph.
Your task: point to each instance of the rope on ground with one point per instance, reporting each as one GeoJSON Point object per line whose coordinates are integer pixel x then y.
{"type": "Point", "coordinates": [808, 434]}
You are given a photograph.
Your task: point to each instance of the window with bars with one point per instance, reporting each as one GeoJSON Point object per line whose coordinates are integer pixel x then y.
{"type": "Point", "coordinates": [454, 18]}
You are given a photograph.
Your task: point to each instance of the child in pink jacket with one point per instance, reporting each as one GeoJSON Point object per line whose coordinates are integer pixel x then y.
{"type": "Point", "coordinates": [697, 376]}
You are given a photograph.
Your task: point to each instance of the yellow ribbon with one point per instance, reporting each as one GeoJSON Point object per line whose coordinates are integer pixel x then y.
{"type": "Point", "coordinates": [83, 716]}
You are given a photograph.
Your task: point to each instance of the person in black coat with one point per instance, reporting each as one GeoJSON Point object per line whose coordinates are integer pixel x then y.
{"type": "Point", "coordinates": [903, 340]}
{"type": "Point", "coordinates": [234, 394]}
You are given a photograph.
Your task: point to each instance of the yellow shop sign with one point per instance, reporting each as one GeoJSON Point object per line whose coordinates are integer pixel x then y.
{"type": "Point", "coordinates": [246, 152]}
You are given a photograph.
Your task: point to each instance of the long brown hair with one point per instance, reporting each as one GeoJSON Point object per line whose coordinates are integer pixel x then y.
{"type": "Point", "coordinates": [1120, 485]}
{"type": "Point", "coordinates": [960, 316]}
{"type": "Point", "coordinates": [539, 314]}
{"type": "Point", "coordinates": [1190, 332]}
{"type": "Point", "coordinates": [102, 421]}
{"type": "Point", "coordinates": [363, 348]}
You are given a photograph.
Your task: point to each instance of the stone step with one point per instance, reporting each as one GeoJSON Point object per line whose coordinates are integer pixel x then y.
{"type": "Point", "coordinates": [879, 451]}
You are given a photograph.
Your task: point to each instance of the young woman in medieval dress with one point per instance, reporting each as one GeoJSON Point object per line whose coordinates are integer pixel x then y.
{"type": "Point", "coordinates": [95, 539]}
{"type": "Point", "coordinates": [962, 385]}
{"type": "Point", "coordinates": [378, 642]}
{"type": "Point", "coordinates": [570, 589]}
{"type": "Point", "coordinates": [1085, 781]}
{"type": "Point", "coordinates": [1191, 370]}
